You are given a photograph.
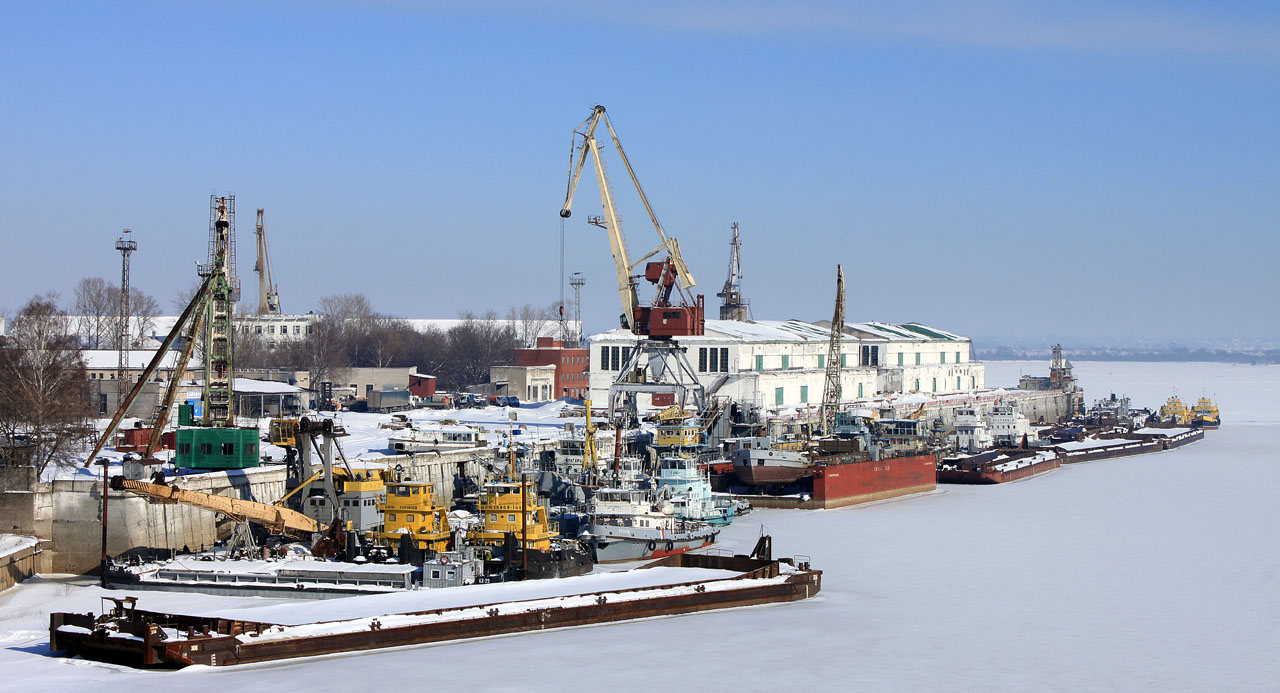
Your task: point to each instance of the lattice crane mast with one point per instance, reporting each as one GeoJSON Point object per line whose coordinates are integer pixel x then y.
{"type": "Point", "coordinates": [831, 390]}
{"type": "Point", "coordinates": [268, 294]}
{"type": "Point", "coordinates": [662, 319]}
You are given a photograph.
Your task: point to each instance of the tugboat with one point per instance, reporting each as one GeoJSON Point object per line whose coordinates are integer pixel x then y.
{"type": "Point", "coordinates": [515, 525]}
{"type": "Point", "coordinates": [625, 526]}
{"type": "Point", "coordinates": [760, 461]}
{"type": "Point", "coordinates": [1175, 412]}
{"type": "Point", "coordinates": [1205, 414]}
{"type": "Point", "coordinates": [689, 490]}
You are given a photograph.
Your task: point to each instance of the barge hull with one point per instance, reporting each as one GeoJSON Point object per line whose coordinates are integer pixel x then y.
{"type": "Point", "coordinates": [230, 642]}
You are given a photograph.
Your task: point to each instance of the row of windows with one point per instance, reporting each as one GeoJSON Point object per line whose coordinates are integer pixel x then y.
{"type": "Point", "coordinates": [573, 360]}
{"type": "Point", "coordinates": [713, 360]}
{"type": "Point", "coordinates": [612, 358]}
{"type": "Point", "coordinates": [942, 357]}
{"type": "Point", "coordinates": [271, 329]}
{"type": "Point", "coordinates": [228, 449]}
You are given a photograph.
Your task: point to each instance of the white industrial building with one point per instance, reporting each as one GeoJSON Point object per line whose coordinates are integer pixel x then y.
{"type": "Point", "coordinates": [782, 363]}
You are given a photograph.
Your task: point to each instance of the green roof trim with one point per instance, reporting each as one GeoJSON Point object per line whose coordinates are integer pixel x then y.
{"type": "Point", "coordinates": [931, 334]}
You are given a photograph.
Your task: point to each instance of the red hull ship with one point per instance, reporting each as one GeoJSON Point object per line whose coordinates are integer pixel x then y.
{"type": "Point", "coordinates": [837, 483]}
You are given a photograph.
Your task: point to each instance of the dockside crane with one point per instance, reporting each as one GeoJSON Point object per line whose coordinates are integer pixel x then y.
{"type": "Point", "coordinates": [732, 305]}
{"type": "Point", "coordinates": [669, 274]}
{"type": "Point", "coordinates": [268, 294]}
{"type": "Point", "coordinates": [657, 365]}
{"type": "Point", "coordinates": [831, 390]}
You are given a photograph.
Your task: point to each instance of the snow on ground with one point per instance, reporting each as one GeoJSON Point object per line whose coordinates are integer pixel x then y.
{"type": "Point", "coordinates": [1153, 572]}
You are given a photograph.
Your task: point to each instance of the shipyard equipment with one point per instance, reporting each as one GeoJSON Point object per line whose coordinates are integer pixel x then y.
{"type": "Point", "coordinates": [831, 389]}
{"type": "Point", "coordinates": [732, 305]}
{"type": "Point", "coordinates": [657, 365]}
{"type": "Point", "coordinates": [268, 295]}
{"type": "Point", "coordinates": [277, 519]}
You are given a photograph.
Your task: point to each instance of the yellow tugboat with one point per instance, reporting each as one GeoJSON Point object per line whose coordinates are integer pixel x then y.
{"type": "Point", "coordinates": [1205, 414]}
{"type": "Point", "coordinates": [1174, 411]}
{"type": "Point", "coordinates": [516, 526]}
{"type": "Point", "coordinates": [410, 508]}
{"type": "Point", "coordinates": [500, 508]}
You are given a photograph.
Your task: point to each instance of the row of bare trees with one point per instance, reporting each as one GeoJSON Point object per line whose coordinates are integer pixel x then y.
{"type": "Point", "coordinates": [44, 404]}
{"type": "Point", "coordinates": [350, 333]}
{"type": "Point", "coordinates": [96, 310]}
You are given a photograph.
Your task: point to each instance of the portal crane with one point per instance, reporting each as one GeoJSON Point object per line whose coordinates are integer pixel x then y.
{"type": "Point", "coordinates": [732, 305]}
{"type": "Point", "coordinates": [657, 364]}
{"type": "Point", "coordinates": [668, 274]}
{"type": "Point", "coordinates": [831, 390]}
{"type": "Point", "coordinates": [268, 296]}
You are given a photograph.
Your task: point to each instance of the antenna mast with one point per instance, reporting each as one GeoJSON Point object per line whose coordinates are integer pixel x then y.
{"type": "Point", "coordinates": [576, 280]}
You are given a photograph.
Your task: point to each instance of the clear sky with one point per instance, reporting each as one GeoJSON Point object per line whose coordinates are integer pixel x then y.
{"type": "Point", "coordinates": [1029, 170]}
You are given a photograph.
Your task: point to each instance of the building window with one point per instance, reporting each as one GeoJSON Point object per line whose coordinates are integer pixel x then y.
{"type": "Point", "coordinates": [804, 394]}
{"type": "Point", "coordinates": [917, 387]}
{"type": "Point", "coordinates": [759, 362]}
{"type": "Point", "coordinates": [899, 358]}
{"type": "Point", "coordinates": [724, 360]}
{"type": "Point", "coordinates": [786, 362]}
{"type": "Point", "coordinates": [271, 329]}
{"type": "Point", "coordinates": [183, 448]}
{"type": "Point", "coordinates": [777, 396]}
{"type": "Point", "coordinates": [297, 329]}
{"type": "Point", "coordinates": [935, 384]}
{"type": "Point", "coordinates": [228, 448]}
{"type": "Point", "coordinates": [859, 390]}
{"type": "Point", "coordinates": [258, 328]}
{"type": "Point", "coordinates": [942, 357]}
{"type": "Point", "coordinates": [957, 357]}
{"type": "Point", "coordinates": [604, 358]}
{"type": "Point", "coordinates": [917, 358]}
{"type": "Point", "coordinates": [715, 360]}
{"type": "Point", "coordinates": [626, 356]}
{"type": "Point", "coordinates": [958, 382]}
{"type": "Point", "coordinates": [206, 448]}
{"type": "Point", "coordinates": [844, 360]}
{"type": "Point", "coordinates": [702, 360]}
{"type": "Point", "coordinates": [822, 361]}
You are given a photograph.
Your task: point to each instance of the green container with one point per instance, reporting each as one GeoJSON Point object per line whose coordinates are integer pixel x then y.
{"type": "Point", "coordinates": [186, 414]}
{"type": "Point", "coordinates": [217, 448]}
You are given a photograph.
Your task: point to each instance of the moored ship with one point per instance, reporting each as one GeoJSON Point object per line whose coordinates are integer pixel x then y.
{"type": "Point", "coordinates": [1205, 414]}
{"type": "Point", "coordinates": [625, 526]}
{"type": "Point", "coordinates": [865, 461]}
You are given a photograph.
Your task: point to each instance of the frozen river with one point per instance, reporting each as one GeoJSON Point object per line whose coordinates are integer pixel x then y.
{"type": "Point", "coordinates": [1156, 572]}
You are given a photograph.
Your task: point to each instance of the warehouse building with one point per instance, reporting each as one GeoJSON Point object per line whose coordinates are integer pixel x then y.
{"type": "Point", "coordinates": [782, 363]}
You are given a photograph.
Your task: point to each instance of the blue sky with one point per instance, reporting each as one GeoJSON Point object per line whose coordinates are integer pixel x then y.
{"type": "Point", "coordinates": [1025, 171]}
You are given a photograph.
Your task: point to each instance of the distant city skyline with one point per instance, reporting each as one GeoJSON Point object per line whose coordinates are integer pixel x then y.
{"type": "Point", "coordinates": [1020, 171]}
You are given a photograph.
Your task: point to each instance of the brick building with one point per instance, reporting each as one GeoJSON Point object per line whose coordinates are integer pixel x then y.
{"type": "Point", "coordinates": [572, 365]}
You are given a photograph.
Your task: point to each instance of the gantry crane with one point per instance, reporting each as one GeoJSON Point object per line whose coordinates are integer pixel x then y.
{"type": "Point", "coordinates": [268, 295]}
{"type": "Point", "coordinates": [831, 390]}
{"type": "Point", "coordinates": [657, 365]}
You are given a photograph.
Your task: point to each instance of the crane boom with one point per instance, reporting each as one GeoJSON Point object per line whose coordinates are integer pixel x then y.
{"type": "Point", "coordinates": [277, 519]}
{"type": "Point", "coordinates": [669, 273]}
{"type": "Point", "coordinates": [268, 296]}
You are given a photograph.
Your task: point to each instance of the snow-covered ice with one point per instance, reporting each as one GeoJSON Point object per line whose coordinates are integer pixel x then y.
{"type": "Point", "coordinates": [1153, 572]}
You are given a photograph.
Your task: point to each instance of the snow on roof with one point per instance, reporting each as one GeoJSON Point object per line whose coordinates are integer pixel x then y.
{"type": "Point", "coordinates": [135, 359]}
{"type": "Point", "coordinates": [797, 331]}
{"type": "Point", "coordinates": [249, 386]}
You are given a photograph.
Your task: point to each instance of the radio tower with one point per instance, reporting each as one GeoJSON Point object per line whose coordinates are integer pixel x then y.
{"type": "Point", "coordinates": [576, 280]}
{"type": "Point", "coordinates": [126, 247]}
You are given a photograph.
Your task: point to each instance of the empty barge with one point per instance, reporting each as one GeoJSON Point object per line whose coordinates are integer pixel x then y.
{"type": "Point", "coordinates": [135, 637]}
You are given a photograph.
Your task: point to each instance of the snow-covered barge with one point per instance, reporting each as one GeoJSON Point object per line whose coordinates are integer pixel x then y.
{"type": "Point", "coordinates": [132, 636]}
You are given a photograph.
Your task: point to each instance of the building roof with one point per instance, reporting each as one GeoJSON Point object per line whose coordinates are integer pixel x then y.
{"type": "Point", "coordinates": [248, 386]}
{"type": "Point", "coordinates": [135, 359]}
{"type": "Point", "coordinates": [799, 331]}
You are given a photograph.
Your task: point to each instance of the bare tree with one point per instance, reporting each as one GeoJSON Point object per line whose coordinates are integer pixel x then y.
{"type": "Point", "coordinates": [96, 314]}
{"type": "Point", "coordinates": [182, 297]}
{"type": "Point", "coordinates": [143, 310]}
{"type": "Point", "coordinates": [531, 321]}
{"type": "Point", "coordinates": [43, 388]}
{"type": "Point", "coordinates": [475, 345]}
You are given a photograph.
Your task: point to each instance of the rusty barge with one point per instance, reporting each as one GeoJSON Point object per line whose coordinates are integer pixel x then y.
{"type": "Point", "coordinates": [128, 635]}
